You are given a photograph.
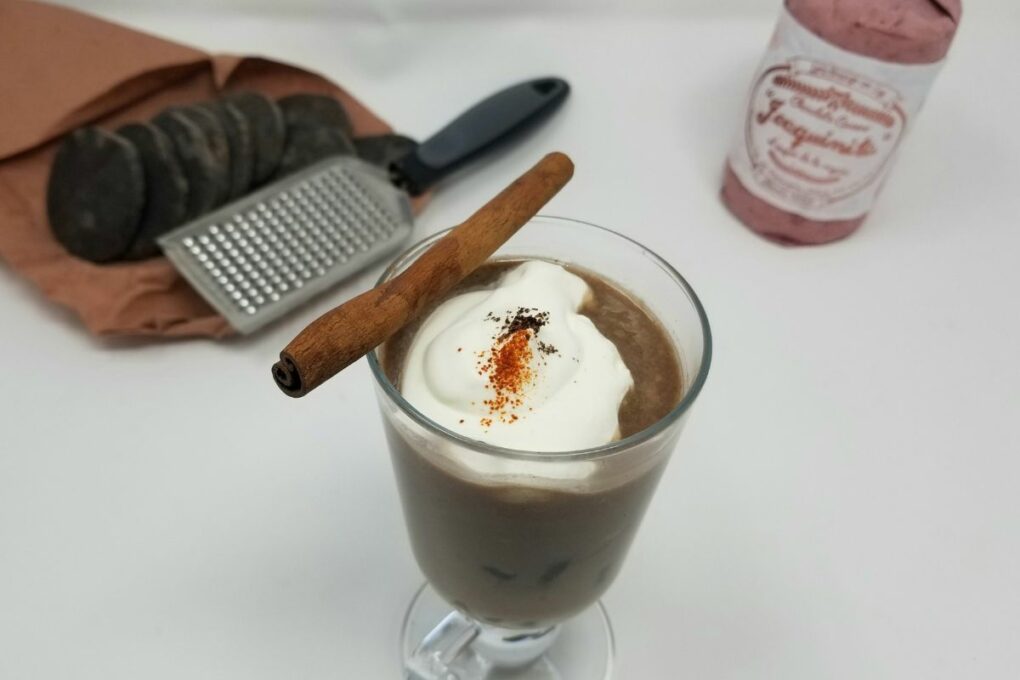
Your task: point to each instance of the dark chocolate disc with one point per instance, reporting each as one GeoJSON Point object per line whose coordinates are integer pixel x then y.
{"type": "Point", "coordinates": [166, 187]}
{"type": "Point", "coordinates": [95, 194]}
{"type": "Point", "coordinates": [307, 145]}
{"type": "Point", "coordinates": [268, 133]}
{"type": "Point", "coordinates": [315, 110]}
{"type": "Point", "coordinates": [242, 153]}
{"type": "Point", "coordinates": [382, 150]}
{"type": "Point", "coordinates": [216, 137]}
{"type": "Point", "coordinates": [206, 182]}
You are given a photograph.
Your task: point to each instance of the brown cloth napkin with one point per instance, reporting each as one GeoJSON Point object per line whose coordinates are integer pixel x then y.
{"type": "Point", "coordinates": [60, 69]}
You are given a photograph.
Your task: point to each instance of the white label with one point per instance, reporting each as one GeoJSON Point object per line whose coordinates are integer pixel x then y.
{"type": "Point", "coordinates": [824, 124]}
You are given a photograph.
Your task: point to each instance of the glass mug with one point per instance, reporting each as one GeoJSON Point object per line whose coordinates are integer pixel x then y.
{"type": "Point", "coordinates": [518, 546]}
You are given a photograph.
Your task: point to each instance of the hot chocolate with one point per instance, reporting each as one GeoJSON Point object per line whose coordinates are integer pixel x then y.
{"type": "Point", "coordinates": [574, 369]}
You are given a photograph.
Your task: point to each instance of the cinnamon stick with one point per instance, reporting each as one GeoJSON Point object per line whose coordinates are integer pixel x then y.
{"type": "Point", "coordinates": [346, 333]}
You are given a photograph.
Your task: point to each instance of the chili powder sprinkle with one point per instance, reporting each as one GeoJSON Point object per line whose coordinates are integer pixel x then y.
{"type": "Point", "coordinates": [506, 365]}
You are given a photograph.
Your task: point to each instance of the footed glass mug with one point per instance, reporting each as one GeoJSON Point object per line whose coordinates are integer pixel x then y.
{"type": "Point", "coordinates": [518, 546]}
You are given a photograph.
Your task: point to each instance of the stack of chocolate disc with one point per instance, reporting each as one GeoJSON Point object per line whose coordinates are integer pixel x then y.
{"type": "Point", "coordinates": [112, 194]}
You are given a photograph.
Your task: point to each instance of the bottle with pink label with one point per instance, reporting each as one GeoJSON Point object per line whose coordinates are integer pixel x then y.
{"type": "Point", "coordinates": [836, 92]}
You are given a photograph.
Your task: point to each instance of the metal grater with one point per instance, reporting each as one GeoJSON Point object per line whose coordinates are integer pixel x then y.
{"type": "Point", "coordinates": [261, 256]}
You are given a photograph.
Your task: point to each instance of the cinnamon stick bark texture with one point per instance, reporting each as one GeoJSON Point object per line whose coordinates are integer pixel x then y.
{"type": "Point", "coordinates": [346, 333]}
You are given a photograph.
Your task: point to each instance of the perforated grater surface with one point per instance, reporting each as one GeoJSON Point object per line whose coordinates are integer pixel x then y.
{"type": "Point", "coordinates": [259, 257]}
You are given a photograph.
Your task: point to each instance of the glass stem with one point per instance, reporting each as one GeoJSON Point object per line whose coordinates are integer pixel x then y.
{"type": "Point", "coordinates": [459, 648]}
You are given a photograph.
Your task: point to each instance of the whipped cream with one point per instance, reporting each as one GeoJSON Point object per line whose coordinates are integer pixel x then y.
{"type": "Point", "coordinates": [517, 366]}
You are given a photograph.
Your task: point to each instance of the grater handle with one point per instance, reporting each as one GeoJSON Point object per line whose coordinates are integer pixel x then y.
{"type": "Point", "coordinates": [488, 124]}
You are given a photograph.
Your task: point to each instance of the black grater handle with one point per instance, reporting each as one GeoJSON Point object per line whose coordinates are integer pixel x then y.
{"type": "Point", "coordinates": [486, 125]}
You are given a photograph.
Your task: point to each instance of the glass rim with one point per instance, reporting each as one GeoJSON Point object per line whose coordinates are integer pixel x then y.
{"type": "Point", "coordinates": [603, 450]}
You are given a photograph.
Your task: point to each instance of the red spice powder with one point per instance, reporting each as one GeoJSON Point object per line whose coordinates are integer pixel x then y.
{"type": "Point", "coordinates": [507, 364]}
{"type": "Point", "coordinates": [508, 371]}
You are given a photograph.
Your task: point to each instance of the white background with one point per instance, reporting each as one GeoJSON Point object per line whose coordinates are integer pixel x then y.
{"type": "Point", "coordinates": [843, 504]}
{"type": "Point", "coordinates": [397, 10]}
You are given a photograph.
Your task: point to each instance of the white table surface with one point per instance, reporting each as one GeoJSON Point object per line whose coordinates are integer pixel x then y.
{"type": "Point", "coordinates": [843, 504]}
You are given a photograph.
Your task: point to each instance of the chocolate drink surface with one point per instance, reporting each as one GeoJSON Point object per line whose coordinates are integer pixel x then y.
{"type": "Point", "coordinates": [520, 551]}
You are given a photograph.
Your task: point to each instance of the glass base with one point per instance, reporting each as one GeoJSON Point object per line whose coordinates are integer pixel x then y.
{"type": "Point", "coordinates": [582, 648]}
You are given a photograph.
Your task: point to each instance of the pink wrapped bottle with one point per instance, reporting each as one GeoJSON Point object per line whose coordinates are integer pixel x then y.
{"type": "Point", "coordinates": [834, 96]}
